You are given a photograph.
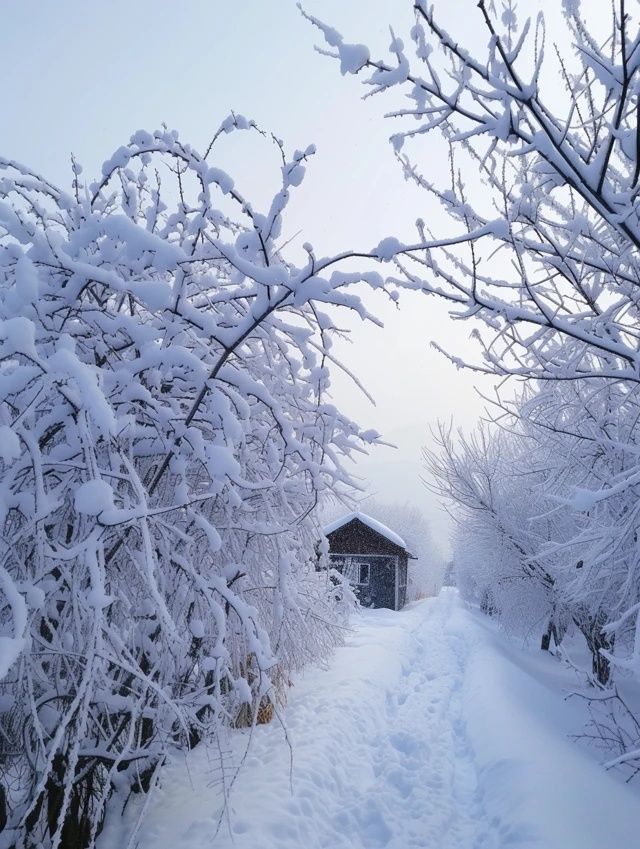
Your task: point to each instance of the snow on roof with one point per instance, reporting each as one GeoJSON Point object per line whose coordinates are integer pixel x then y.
{"type": "Point", "coordinates": [370, 522]}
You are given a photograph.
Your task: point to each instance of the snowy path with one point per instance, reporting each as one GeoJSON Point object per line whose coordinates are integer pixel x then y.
{"type": "Point", "coordinates": [427, 791]}
{"type": "Point", "coordinates": [417, 735]}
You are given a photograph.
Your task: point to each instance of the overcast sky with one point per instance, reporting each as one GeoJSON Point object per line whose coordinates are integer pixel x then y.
{"type": "Point", "coordinates": [82, 77]}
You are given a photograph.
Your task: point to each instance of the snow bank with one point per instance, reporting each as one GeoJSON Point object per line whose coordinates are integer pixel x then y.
{"type": "Point", "coordinates": [519, 723]}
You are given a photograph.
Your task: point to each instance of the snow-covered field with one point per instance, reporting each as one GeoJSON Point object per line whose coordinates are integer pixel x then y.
{"type": "Point", "coordinates": [427, 730]}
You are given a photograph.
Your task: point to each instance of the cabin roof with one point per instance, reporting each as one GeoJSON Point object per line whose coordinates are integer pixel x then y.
{"type": "Point", "coordinates": [370, 522]}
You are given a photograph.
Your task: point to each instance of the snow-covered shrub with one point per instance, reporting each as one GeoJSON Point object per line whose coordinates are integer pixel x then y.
{"type": "Point", "coordinates": [164, 442]}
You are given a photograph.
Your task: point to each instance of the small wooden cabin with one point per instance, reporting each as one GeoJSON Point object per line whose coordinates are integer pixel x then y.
{"type": "Point", "coordinates": [372, 557]}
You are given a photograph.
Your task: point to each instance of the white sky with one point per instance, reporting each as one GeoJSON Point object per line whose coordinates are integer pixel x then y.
{"type": "Point", "coordinates": [83, 76]}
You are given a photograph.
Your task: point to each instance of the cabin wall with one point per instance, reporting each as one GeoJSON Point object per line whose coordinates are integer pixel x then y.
{"type": "Point", "coordinates": [385, 592]}
{"type": "Point", "coordinates": [382, 589]}
{"type": "Point", "coordinates": [387, 586]}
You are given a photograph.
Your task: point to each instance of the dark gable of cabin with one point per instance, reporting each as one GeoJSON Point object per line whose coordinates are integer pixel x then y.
{"type": "Point", "coordinates": [357, 538]}
{"type": "Point", "coordinates": [369, 559]}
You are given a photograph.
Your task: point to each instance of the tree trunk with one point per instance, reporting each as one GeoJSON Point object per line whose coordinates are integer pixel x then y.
{"type": "Point", "coordinates": [556, 628]}
{"type": "Point", "coordinates": [598, 640]}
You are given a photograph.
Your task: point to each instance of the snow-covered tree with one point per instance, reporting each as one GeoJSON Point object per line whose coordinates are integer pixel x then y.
{"type": "Point", "coordinates": [492, 499]}
{"type": "Point", "coordinates": [530, 534]}
{"type": "Point", "coordinates": [165, 439]}
{"type": "Point", "coordinates": [539, 146]}
{"type": "Point", "coordinates": [582, 436]}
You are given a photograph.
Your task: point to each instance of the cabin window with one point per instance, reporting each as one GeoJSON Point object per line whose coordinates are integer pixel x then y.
{"type": "Point", "coordinates": [364, 573]}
